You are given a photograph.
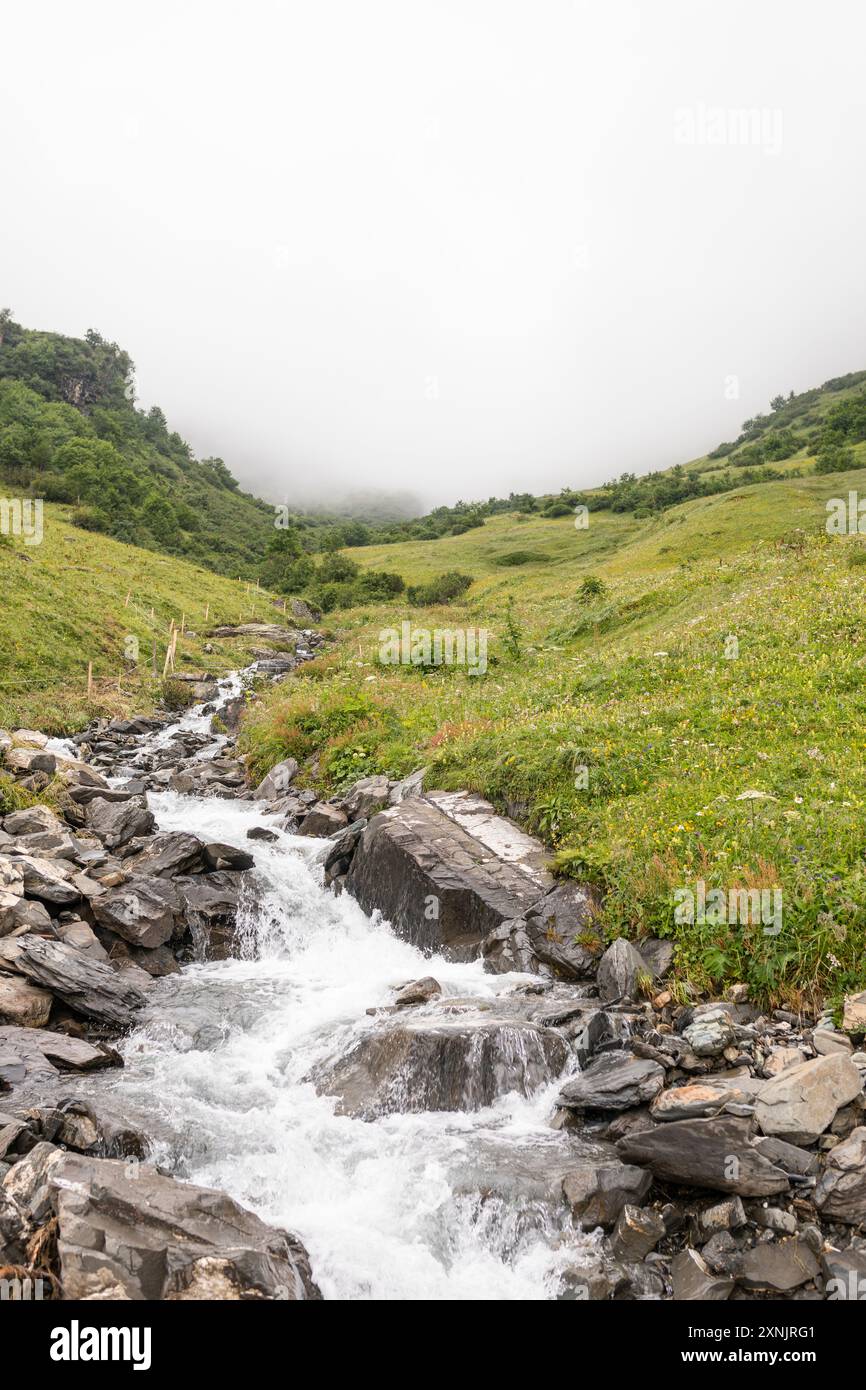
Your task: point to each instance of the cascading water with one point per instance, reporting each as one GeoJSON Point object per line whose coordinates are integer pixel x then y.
{"type": "Point", "coordinates": [443, 1205]}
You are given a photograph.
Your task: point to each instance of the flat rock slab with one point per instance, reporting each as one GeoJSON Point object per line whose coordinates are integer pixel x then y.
{"type": "Point", "coordinates": [718, 1154]}
{"type": "Point", "coordinates": [444, 869]}
{"type": "Point", "coordinates": [598, 1192]}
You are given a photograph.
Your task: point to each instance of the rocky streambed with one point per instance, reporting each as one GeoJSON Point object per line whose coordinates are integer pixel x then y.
{"type": "Point", "coordinates": [256, 1045]}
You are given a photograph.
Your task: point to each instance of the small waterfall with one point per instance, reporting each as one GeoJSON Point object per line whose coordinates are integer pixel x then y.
{"type": "Point", "coordinates": [461, 1203]}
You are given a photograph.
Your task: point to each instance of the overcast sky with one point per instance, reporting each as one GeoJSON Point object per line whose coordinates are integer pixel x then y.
{"type": "Point", "coordinates": [455, 246]}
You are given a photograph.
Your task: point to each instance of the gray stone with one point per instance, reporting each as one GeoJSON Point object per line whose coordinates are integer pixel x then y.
{"type": "Point", "coordinates": [135, 1234]}
{"type": "Point", "coordinates": [417, 992]}
{"type": "Point", "coordinates": [366, 797]}
{"type": "Point", "coordinates": [800, 1103]}
{"type": "Point", "coordinates": [33, 820]}
{"type": "Point", "coordinates": [598, 1192]}
{"type": "Point", "coordinates": [718, 1154]}
{"type": "Point", "coordinates": [699, 1100]}
{"type": "Point", "coordinates": [445, 870]}
{"type": "Point", "coordinates": [22, 1003]}
{"type": "Point", "coordinates": [841, 1191]}
{"type": "Point", "coordinates": [142, 910]}
{"type": "Point", "coordinates": [210, 905]}
{"type": "Point", "coordinates": [90, 987]}
{"type": "Point", "coordinates": [117, 822]}
{"type": "Point", "coordinates": [455, 1064]}
{"type": "Point", "coordinates": [48, 880]}
{"type": "Point", "coordinates": [619, 972]}
{"type": "Point", "coordinates": [615, 1081]}
{"type": "Point", "coordinates": [638, 1231]}
{"type": "Point", "coordinates": [219, 856]}
{"type": "Point", "coordinates": [777, 1267]}
{"type": "Point", "coordinates": [694, 1282]}
{"type": "Point", "coordinates": [710, 1032]}
{"type": "Point", "coordinates": [322, 820]}
{"type": "Point", "coordinates": [169, 854]}
{"type": "Point", "coordinates": [277, 781]}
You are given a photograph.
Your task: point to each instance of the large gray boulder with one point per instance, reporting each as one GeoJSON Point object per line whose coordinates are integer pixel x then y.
{"type": "Point", "coordinates": [126, 1231]}
{"type": "Point", "coordinates": [719, 1154]}
{"type": "Point", "coordinates": [552, 939]}
{"type": "Point", "coordinates": [117, 822]}
{"type": "Point", "coordinates": [88, 986]}
{"type": "Point", "coordinates": [142, 911]}
{"type": "Point", "coordinates": [168, 854]}
{"type": "Point", "coordinates": [444, 869]}
{"type": "Point", "coordinates": [50, 880]}
{"type": "Point", "coordinates": [452, 1064]}
{"type": "Point", "coordinates": [801, 1102]}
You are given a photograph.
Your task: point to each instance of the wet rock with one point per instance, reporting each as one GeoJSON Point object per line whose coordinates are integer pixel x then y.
{"type": "Point", "coordinates": [799, 1104]}
{"type": "Point", "coordinates": [445, 870]}
{"type": "Point", "coordinates": [23, 1004]}
{"type": "Point", "coordinates": [210, 905]}
{"type": "Point", "coordinates": [638, 1231]}
{"type": "Point", "coordinates": [261, 832]}
{"type": "Point", "coordinates": [156, 961]}
{"type": "Point", "coordinates": [615, 1081]}
{"type": "Point", "coordinates": [117, 822]}
{"type": "Point", "coordinates": [778, 1267]}
{"type": "Point", "coordinates": [718, 1154]}
{"type": "Point", "coordinates": [218, 856]}
{"type": "Point", "coordinates": [322, 820]}
{"type": "Point", "coordinates": [127, 1233]}
{"type": "Point", "coordinates": [338, 855]}
{"type": "Point", "coordinates": [619, 971]}
{"type": "Point", "coordinates": [417, 992]}
{"type": "Point", "coordinates": [597, 1193]}
{"type": "Point", "coordinates": [277, 781]}
{"type": "Point", "coordinates": [693, 1281]}
{"type": "Point", "coordinates": [841, 1191]}
{"type": "Point", "coordinates": [558, 926]}
{"type": "Point", "coordinates": [452, 1065]}
{"type": "Point", "coordinates": [89, 987]}
{"type": "Point", "coordinates": [167, 855]}
{"type": "Point", "coordinates": [141, 911]}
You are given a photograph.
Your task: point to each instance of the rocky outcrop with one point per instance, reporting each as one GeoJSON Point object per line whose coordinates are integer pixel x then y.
{"type": "Point", "coordinates": [445, 870]}
{"type": "Point", "coordinates": [90, 987]}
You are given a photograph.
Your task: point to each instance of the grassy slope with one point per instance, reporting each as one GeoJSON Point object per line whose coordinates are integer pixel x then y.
{"type": "Point", "coordinates": [636, 686]}
{"type": "Point", "coordinates": [63, 603]}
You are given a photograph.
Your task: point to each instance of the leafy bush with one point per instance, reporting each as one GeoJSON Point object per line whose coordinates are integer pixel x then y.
{"type": "Point", "coordinates": [443, 589]}
{"type": "Point", "coordinates": [177, 695]}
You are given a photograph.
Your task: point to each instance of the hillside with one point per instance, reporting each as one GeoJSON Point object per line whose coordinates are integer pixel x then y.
{"type": "Point", "coordinates": [70, 432]}
{"type": "Point", "coordinates": [668, 699]}
{"type": "Point", "coordinates": [79, 597]}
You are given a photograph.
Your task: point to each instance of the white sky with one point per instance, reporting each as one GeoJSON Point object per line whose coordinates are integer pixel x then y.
{"type": "Point", "coordinates": [460, 247]}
